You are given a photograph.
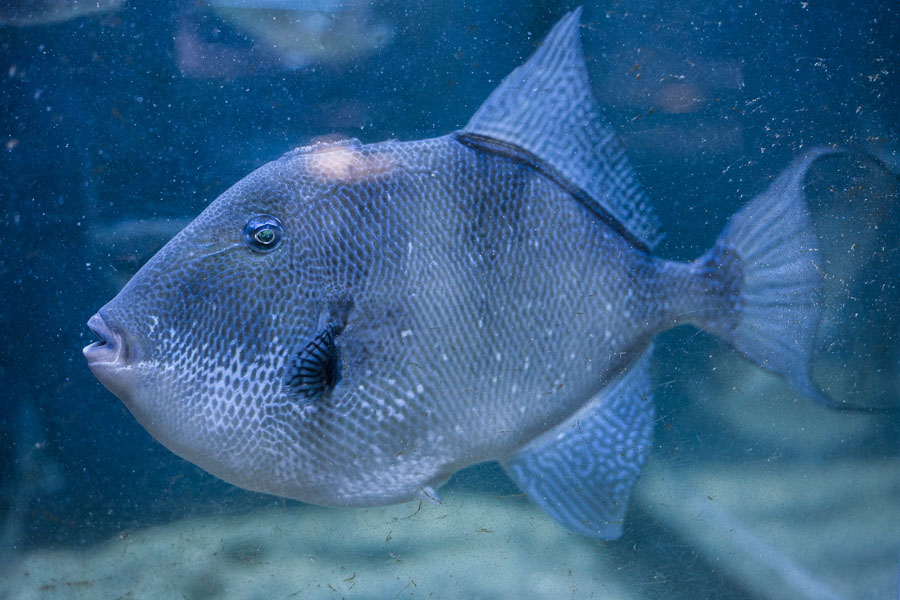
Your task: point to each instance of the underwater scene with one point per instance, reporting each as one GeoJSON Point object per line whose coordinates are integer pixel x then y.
{"type": "Point", "coordinates": [377, 299]}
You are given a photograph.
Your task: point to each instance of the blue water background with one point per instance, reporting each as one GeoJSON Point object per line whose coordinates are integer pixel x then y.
{"type": "Point", "coordinates": [101, 126]}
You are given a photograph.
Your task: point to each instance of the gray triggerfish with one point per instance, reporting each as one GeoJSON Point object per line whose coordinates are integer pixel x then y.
{"type": "Point", "coordinates": [352, 323]}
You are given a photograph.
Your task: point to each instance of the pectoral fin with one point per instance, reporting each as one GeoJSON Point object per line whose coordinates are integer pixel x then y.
{"type": "Point", "coordinates": [316, 368]}
{"type": "Point", "coordinates": [582, 471]}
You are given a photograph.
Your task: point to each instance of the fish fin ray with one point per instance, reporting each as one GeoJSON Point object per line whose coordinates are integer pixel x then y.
{"type": "Point", "coordinates": [316, 368]}
{"type": "Point", "coordinates": [779, 299]}
{"type": "Point", "coordinates": [582, 472]}
{"type": "Point", "coordinates": [547, 108]}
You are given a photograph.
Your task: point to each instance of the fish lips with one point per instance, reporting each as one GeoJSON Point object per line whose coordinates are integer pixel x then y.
{"type": "Point", "coordinates": [113, 357]}
{"type": "Point", "coordinates": [110, 352]}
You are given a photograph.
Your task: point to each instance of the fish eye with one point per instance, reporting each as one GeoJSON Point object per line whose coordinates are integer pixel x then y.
{"type": "Point", "coordinates": [263, 233]}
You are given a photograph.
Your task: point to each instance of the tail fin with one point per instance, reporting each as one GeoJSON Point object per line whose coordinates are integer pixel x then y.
{"type": "Point", "coordinates": [770, 251]}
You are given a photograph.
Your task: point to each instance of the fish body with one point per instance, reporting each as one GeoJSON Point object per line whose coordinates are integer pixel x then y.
{"type": "Point", "coordinates": [351, 324]}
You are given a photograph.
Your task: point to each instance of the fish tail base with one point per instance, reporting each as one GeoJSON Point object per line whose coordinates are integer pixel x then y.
{"type": "Point", "coordinates": [716, 279]}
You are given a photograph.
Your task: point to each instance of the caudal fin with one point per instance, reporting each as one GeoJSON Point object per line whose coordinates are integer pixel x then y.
{"type": "Point", "coordinates": [770, 248]}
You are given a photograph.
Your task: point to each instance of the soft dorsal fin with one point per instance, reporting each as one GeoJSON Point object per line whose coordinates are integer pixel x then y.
{"type": "Point", "coordinates": [546, 107]}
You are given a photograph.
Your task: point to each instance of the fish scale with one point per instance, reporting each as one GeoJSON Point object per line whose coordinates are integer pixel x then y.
{"type": "Point", "coordinates": [351, 324]}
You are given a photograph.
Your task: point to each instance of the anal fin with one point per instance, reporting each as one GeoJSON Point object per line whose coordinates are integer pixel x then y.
{"type": "Point", "coordinates": [582, 471]}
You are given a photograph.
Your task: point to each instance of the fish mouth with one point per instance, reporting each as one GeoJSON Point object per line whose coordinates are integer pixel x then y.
{"type": "Point", "coordinates": [110, 349]}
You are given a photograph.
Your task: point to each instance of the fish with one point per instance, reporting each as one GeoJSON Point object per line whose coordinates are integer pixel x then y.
{"type": "Point", "coordinates": [351, 324]}
{"type": "Point", "coordinates": [304, 33]}
{"type": "Point", "coordinates": [26, 13]}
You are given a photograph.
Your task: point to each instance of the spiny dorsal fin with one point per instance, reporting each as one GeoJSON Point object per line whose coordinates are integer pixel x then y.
{"type": "Point", "coordinates": [546, 107]}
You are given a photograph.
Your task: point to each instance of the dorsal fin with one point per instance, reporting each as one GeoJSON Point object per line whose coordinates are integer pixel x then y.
{"type": "Point", "coordinates": [546, 107]}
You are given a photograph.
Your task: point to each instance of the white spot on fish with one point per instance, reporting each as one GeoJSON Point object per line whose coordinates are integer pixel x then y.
{"type": "Point", "coordinates": [420, 388]}
{"type": "Point", "coordinates": [340, 162]}
{"type": "Point", "coordinates": [409, 394]}
{"type": "Point", "coordinates": [405, 333]}
{"type": "Point", "coordinates": [498, 357]}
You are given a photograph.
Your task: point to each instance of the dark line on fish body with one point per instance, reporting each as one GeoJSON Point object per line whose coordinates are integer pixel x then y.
{"type": "Point", "coordinates": [522, 156]}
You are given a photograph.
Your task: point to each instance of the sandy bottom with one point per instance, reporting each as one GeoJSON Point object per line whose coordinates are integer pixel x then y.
{"type": "Point", "coordinates": [789, 532]}
{"type": "Point", "coordinates": [757, 535]}
{"type": "Point", "coordinates": [470, 546]}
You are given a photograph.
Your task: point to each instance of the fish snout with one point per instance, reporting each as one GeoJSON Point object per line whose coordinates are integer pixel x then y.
{"type": "Point", "coordinates": [110, 350]}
